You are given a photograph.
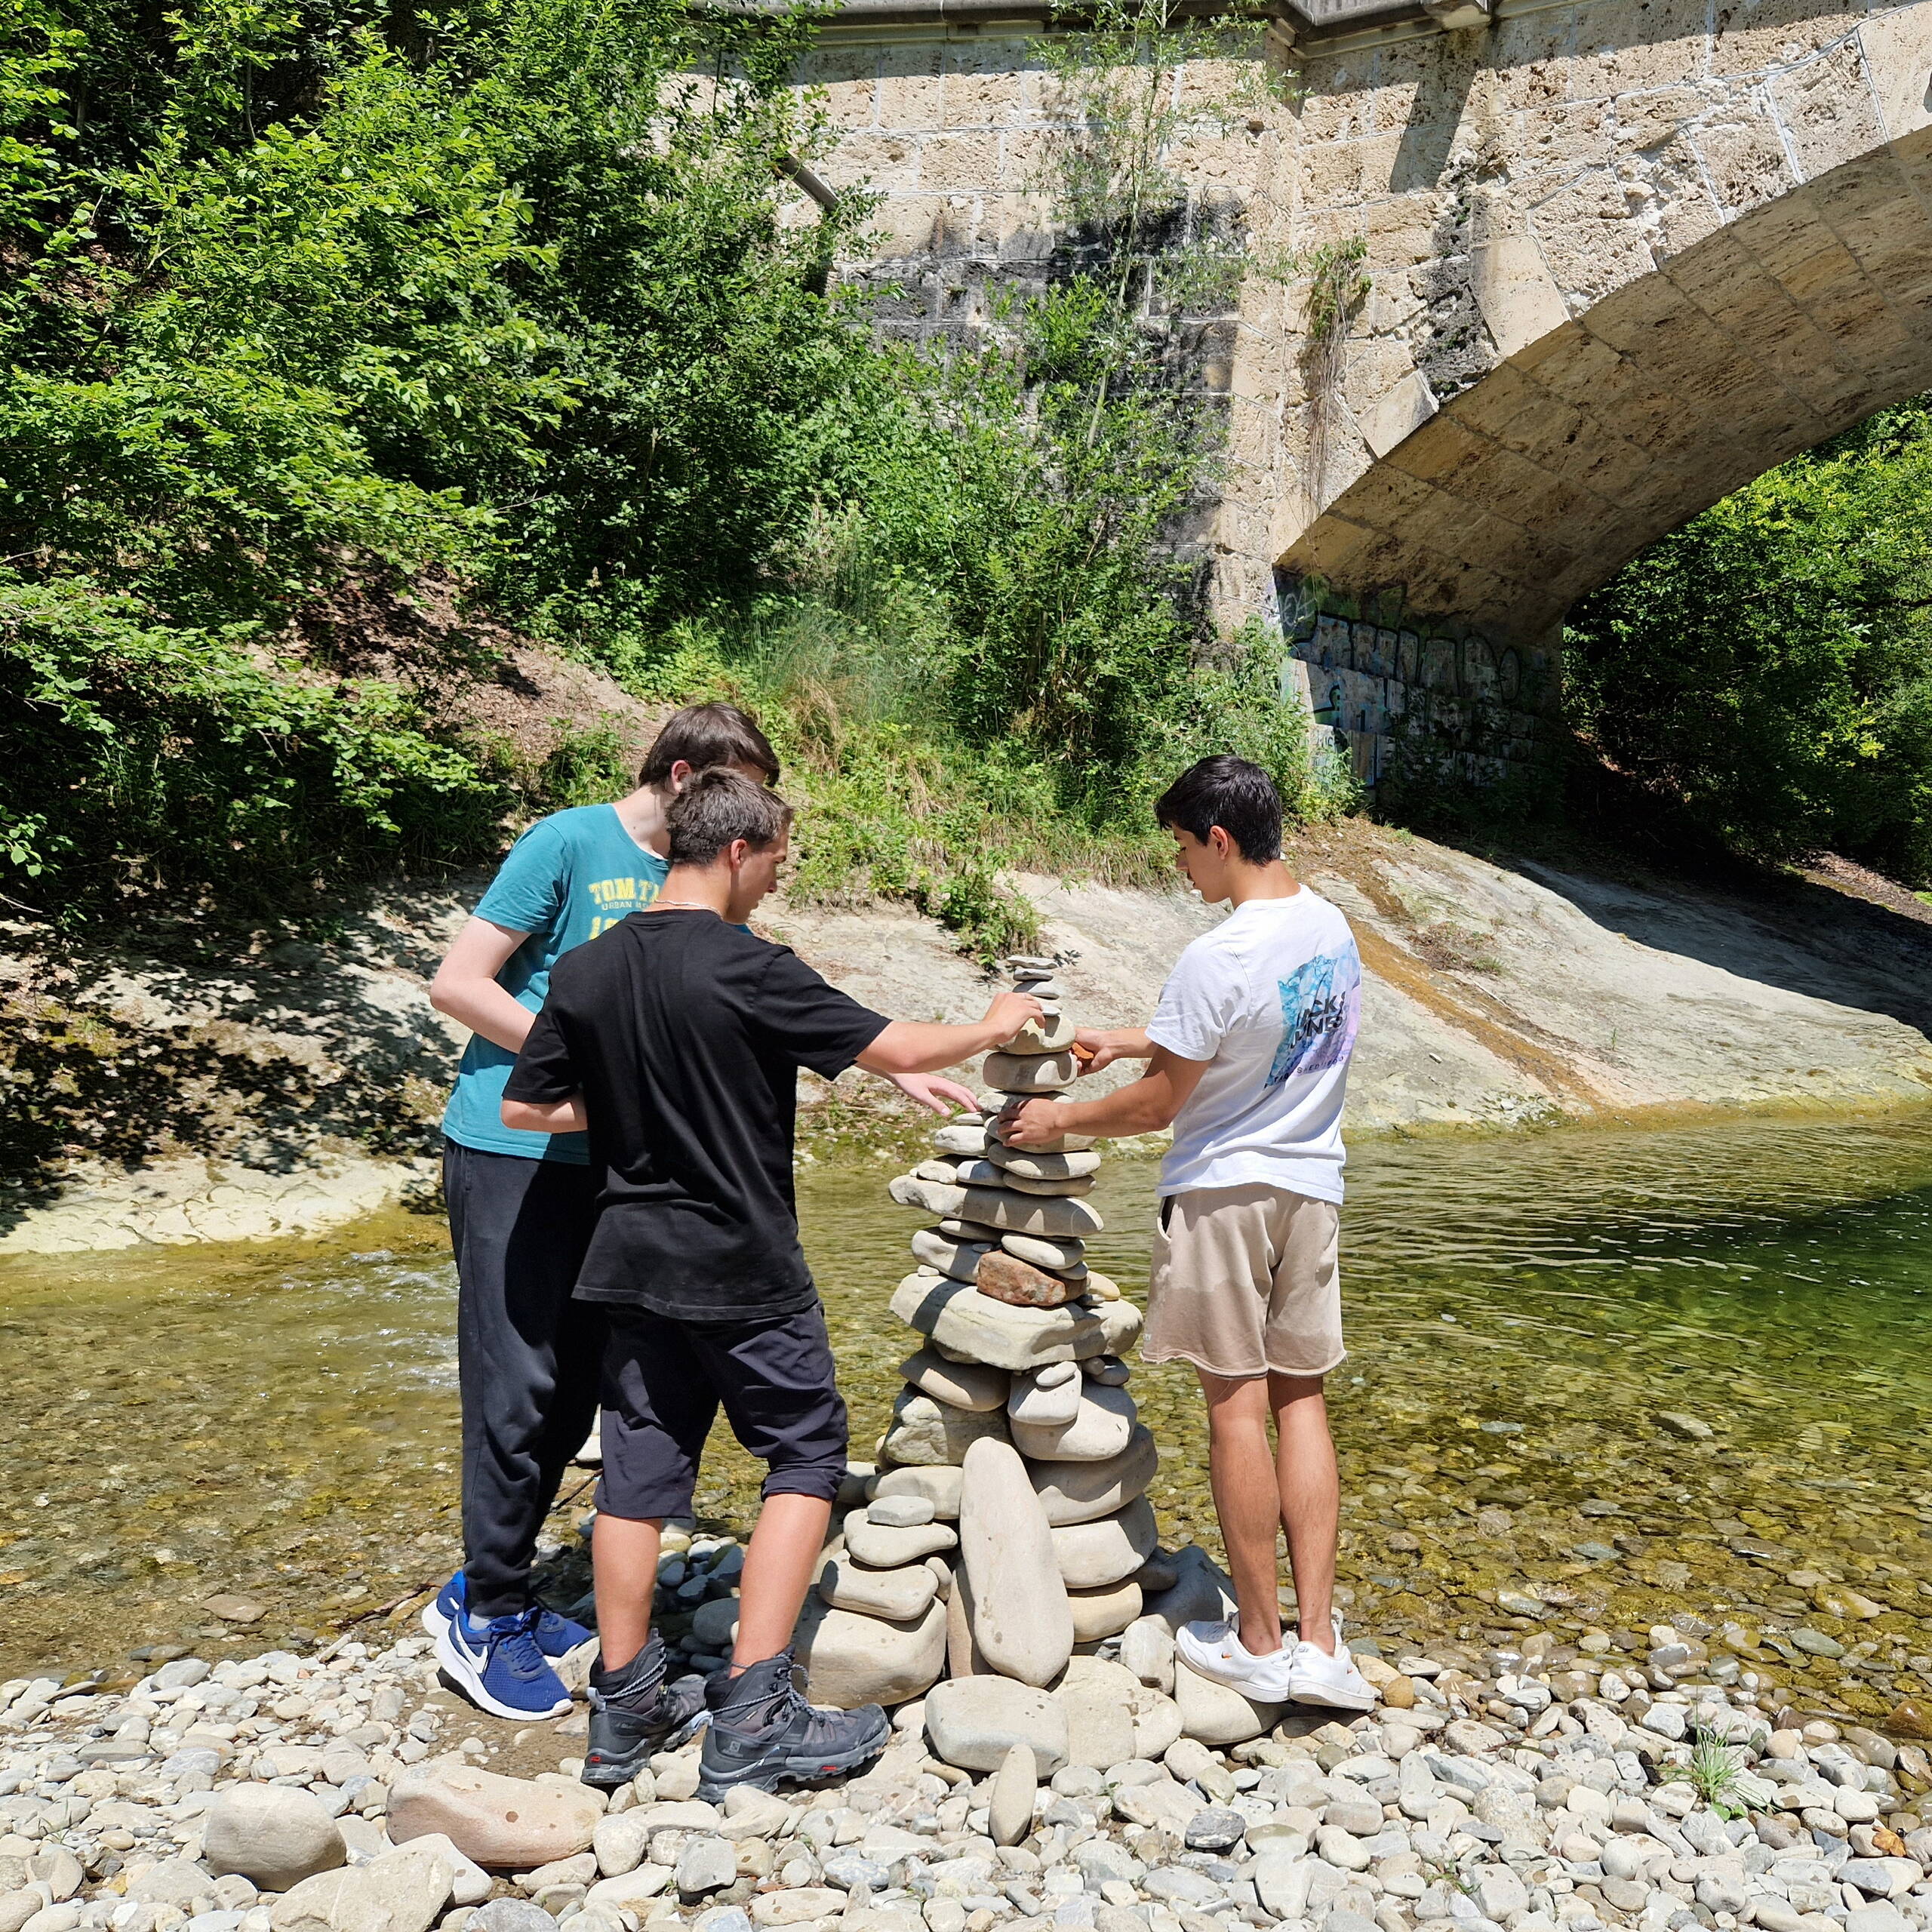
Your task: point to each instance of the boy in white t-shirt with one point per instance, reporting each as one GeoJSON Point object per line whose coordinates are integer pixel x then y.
{"type": "Point", "coordinates": [1249, 1059]}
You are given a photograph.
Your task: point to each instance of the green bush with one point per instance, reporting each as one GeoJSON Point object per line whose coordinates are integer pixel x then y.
{"type": "Point", "coordinates": [303, 300]}
{"type": "Point", "coordinates": [135, 757]}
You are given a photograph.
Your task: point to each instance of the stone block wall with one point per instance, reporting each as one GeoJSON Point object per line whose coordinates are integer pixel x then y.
{"type": "Point", "coordinates": [1440, 702]}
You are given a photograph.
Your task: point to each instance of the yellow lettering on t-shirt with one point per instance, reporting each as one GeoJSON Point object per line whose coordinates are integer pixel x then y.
{"type": "Point", "coordinates": [618, 896]}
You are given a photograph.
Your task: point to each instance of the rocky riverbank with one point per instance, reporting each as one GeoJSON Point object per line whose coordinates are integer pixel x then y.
{"type": "Point", "coordinates": [1545, 1781]}
{"type": "Point", "coordinates": [211, 1087]}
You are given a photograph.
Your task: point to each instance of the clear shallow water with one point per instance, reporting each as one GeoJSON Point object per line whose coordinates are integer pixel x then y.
{"type": "Point", "coordinates": [1521, 1311]}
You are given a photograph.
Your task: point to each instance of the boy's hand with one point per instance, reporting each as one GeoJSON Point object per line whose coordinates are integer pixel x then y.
{"type": "Point", "coordinates": [935, 1091]}
{"type": "Point", "coordinates": [1093, 1049]}
{"type": "Point", "coordinates": [1030, 1123]}
{"type": "Point", "coordinates": [1011, 1011]}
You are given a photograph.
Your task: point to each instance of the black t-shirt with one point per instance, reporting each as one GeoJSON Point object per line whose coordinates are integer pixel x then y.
{"type": "Point", "coordinates": [685, 1035]}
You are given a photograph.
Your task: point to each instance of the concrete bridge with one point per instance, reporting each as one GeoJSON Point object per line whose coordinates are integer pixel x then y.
{"type": "Point", "coordinates": [1622, 255]}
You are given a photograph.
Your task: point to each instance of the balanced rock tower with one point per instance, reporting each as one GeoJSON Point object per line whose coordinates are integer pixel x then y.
{"type": "Point", "coordinates": [1006, 1545]}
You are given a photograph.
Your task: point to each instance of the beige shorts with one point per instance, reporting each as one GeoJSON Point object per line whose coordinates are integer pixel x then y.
{"type": "Point", "coordinates": [1245, 1280]}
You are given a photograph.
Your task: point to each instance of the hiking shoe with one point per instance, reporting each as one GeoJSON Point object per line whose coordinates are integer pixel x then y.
{"type": "Point", "coordinates": [498, 1667]}
{"type": "Point", "coordinates": [1214, 1650]}
{"type": "Point", "coordinates": [556, 1636]}
{"type": "Point", "coordinates": [763, 1734]}
{"type": "Point", "coordinates": [634, 1713]}
{"type": "Point", "coordinates": [1316, 1678]}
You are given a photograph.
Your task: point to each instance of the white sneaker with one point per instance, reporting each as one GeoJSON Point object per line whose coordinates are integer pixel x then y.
{"type": "Point", "coordinates": [1314, 1677]}
{"type": "Point", "coordinates": [591, 1456]}
{"type": "Point", "coordinates": [1215, 1651]}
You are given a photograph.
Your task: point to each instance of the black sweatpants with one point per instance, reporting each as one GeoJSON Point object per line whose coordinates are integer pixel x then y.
{"type": "Point", "coordinates": [527, 1356]}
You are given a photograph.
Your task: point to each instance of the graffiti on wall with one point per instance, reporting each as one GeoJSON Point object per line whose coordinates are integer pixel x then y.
{"type": "Point", "coordinates": [1388, 692]}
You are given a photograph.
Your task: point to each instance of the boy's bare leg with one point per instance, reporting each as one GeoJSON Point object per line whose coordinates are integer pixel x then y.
{"type": "Point", "coordinates": [1311, 1500]}
{"type": "Point", "coordinates": [780, 1562]}
{"type": "Point", "coordinates": [623, 1559]}
{"type": "Point", "coordinates": [1240, 1471]}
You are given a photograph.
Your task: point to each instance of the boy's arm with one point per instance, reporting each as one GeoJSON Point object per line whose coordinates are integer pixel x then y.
{"type": "Point", "coordinates": [466, 987]}
{"type": "Point", "coordinates": [544, 1094]}
{"type": "Point", "coordinates": [1142, 1107]}
{"type": "Point", "coordinates": [555, 1116]}
{"type": "Point", "coordinates": [920, 1046]}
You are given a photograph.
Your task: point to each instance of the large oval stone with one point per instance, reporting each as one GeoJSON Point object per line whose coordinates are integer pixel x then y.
{"type": "Point", "coordinates": [965, 1384]}
{"type": "Point", "coordinates": [503, 1823]}
{"type": "Point", "coordinates": [1103, 1612]}
{"type": "Point", "coordinates": [959, 1259]}
{"type": "Point", "coordinates": [898, 1595]}
{"type": "Point", "coordinates": [1006, 1278]}
{"type": "Point", "coordinates": [1022, 1622]}
{"type": "Point", "coordinates": [1079, 1492]}
{"type": "Point", "coordinates": [886, 1546]}
{"type": "Point", "coordinates": [1027, 1073]}
{"type": "Point", "coordinates": [1101, 1427]}
{"type": "Point", "coordinates": [960, 1319]}
{"type": "Point", "coordinates": [851, 1659]}
{"type": "Point", "coordinates": [1216, 1715]}
{"type": "Point", "coordinates": [973, 1722]}
{"type": "Point", "coordinates": [1098, 1555]}
{"type": "Point", "coordinates": [930, 1433]}
{"type": "Point", "coordinates": [1055, 1216]}
{"type": "Point", "coordinates": [939, 1486]}
{"type": "Point", "coordinates": [274, 1835]}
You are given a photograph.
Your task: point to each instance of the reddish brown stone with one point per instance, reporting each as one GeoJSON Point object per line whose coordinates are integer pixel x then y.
{"type": "Point", "coordinates": [1908, 1719]}
{"type": "Point", "coordinates": [1006, 1278]}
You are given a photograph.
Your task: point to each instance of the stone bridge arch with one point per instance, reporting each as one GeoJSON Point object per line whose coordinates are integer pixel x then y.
{"type": "Point", "coordinates": [1620, 256]}
{"type": "Point", "coordinates": [1642, 363]}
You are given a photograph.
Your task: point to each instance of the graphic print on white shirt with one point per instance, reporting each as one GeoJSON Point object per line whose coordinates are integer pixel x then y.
{"type": "Point", "coordinates": [1271, 1000]}
{"type": "Point", "coordinates": [1320, 1011]}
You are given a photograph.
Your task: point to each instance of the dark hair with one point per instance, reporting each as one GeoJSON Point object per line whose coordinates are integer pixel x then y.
{"type": "Point", "coordinates": [705, 737]}
{"type": "Point", "coordinates": [718, 807]}
{"type": "Point", "coordinates": [1239, 797]}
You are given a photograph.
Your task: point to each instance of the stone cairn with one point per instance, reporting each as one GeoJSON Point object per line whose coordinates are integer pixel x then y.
{"type": "Point", "coordinates": [1003, 1565]}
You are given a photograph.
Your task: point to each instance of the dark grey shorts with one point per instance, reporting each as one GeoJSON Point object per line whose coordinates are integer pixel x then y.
{"type": "Point", "coordinates": [665, 1380]}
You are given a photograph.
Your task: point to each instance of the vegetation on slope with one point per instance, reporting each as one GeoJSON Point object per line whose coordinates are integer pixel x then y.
{"type": "Point", "coordinates": [301, 300]}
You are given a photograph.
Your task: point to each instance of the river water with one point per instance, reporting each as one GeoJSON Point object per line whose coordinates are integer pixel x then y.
{"type": "Point", "coordinates": [279, 1423]}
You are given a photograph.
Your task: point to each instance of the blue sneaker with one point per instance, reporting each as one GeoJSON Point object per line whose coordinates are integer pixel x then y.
{"type": "Point", "coordinates": [499, 1668]}
{"type": "Point", "coordinates": [556, 1636]}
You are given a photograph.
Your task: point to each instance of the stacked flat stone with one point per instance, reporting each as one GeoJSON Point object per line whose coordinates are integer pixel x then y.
{"type": "Point", "coordinates": [1002, 1563]}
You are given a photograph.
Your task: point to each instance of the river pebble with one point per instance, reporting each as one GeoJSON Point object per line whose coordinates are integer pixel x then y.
{"type": "Point", "coordinates": [1493, 1800]}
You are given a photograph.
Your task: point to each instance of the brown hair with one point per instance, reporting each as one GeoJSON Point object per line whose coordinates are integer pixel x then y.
{"type": "Point", "coordinates": [718, 807]}
{"type": "Point", "coordinates": [705, 736]}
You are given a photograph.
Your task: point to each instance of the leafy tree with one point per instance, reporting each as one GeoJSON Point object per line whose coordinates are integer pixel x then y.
{"type": "Point", "coordinates": [1767, 669]}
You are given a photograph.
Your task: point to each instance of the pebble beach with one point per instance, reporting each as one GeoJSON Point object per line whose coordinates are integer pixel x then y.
{"type": "Point", "coordinates": [342, 1791]}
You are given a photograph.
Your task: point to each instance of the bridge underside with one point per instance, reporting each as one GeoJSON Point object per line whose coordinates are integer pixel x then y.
{"type": "Point", "coordinates": [1608, 428]}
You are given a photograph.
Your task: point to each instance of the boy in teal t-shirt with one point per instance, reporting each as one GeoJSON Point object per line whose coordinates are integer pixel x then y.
{"type": "Point", "coordinates": [568, 877]}
{"type": "Point", "coordinates": [522, 1207]}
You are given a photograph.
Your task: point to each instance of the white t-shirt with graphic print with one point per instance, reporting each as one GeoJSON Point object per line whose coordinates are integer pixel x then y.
{"type": "Point", "coordinates": [1271, 1000]}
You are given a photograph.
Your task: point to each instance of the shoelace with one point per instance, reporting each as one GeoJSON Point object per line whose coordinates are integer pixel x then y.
{"type": "Point", "coordinates": [516, 1645]}
{"type": "Point", "coordinates": [779, 1702]}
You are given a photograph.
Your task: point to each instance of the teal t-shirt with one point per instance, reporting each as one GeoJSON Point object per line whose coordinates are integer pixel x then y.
{"type": "Point", "coordinates": [567, 878]}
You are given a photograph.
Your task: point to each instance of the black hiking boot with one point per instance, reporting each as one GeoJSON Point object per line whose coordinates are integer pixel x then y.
{"type": "Point", "coordinates": [634, 1712]}
{"type": "Point", "coordinates": [763, 1733]}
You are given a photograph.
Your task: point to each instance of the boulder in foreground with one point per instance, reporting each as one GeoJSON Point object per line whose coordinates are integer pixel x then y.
{"type": "Point", "coordinates": [504, 1824]}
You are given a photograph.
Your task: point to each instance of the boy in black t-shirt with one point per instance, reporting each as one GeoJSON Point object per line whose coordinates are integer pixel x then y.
{"type": "Point", "coordinates": [675, 1038]}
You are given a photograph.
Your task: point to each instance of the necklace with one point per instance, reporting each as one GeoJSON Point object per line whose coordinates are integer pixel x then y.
{"type": "Point", "coordinates": [689, 905]}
